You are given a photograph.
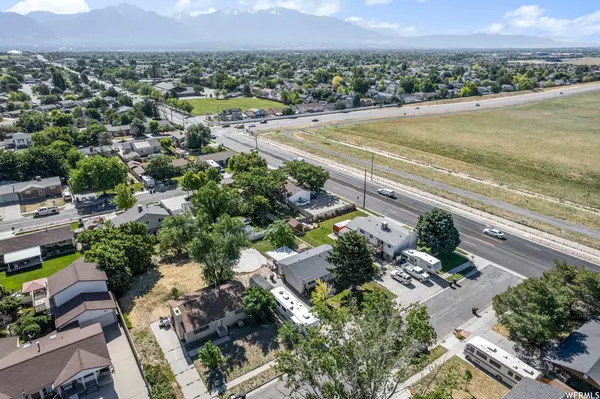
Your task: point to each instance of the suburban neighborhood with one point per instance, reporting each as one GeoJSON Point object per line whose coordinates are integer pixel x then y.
{"type": "Point", "coordinates": [298, 223]}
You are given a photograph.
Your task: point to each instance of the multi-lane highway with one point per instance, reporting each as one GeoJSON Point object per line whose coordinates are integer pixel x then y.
{"type": "Point", "coordinates": [520, 255]}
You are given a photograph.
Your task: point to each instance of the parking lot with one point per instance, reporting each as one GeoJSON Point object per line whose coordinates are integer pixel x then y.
{"type": "Point", "coordinates": [413, 292]}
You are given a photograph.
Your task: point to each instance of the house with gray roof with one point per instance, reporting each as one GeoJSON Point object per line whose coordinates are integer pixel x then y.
{"type": "Point", "coordinates": [386, 236]}
{"type": "Point", "coordinates": [34, 190]}
{"type": "Point", "coordinates": [62, 362]}
{"type": "Point", "coordinates": [528, 388]}
{"type": "Point", "coordinates": [142, 147]}
{"type": "Point", "coordinates": [19, 140]}
{"type": "Point", "coordinates": [151, 215]}
{"type": "Point", "coordinates": [301, 271]}
{"type": "Point", "coordinates": [579, 354]}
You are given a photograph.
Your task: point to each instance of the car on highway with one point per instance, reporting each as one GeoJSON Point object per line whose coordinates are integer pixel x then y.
{"type": "Point", "coordinates": [299, 159]}
{"type": "Point", "coordinates": [227, 125]}
{"type": "Point", "coordinates": [561, 92]}
{"type": "Point", "coordinates": [240, 126]}
{"type": "Point", "coordinates": [387, 192]}
{"type": "Point", "coordinates": [252, 125]}
{"type": "Point", "coordinates": [478, 105]}
{"type": "Point", "coordinates": [417, 107]}
{"type": "Point", "coordinates": [495, 233]}
{"type": "Point", "coordinates": [263, 122]}
{"type": "Point", "coordinates": [213, 136]}
{"type": "Point", "coordinates": [417, 272]}
{"type": "Point", "coordinates": [401, 277]}
{"type": "Point", "coordinates": [315, 120]}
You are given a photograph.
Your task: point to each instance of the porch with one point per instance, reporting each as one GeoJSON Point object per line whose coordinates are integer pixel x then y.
{"type": "Point", "coordinates": [23, 259]}
{"type": "Point", "coordinates": [96, 383]}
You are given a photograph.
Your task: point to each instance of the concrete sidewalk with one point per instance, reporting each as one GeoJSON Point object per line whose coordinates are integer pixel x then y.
{"type": "Point", "coordinates": [183, 367]}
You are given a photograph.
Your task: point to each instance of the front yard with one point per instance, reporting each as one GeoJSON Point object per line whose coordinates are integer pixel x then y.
{"type": "Point", "coordinates": [250, 347]}
{"type": "Point", "coordinates": [343, 297]}
{"type": "Point", "coordinates": [14, 281]}
{"type": "Point", "coordinates": [319, 236]}
{"type": "Point", "coordinates": [450, 260]}
{"type": "Point", "coordinates": [34, 206]}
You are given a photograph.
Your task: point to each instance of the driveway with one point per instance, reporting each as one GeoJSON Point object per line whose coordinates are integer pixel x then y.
{"type": "Point", "coordinates": [453, 307]}
{"type": "Point", "coordinates": [182, 366]}
{"type": "Point", "coordinates": [414, 292]}
{"type": "Point", "coordinates": [10, 211]}
{"type": "Point", "coordinates": [127, 377]}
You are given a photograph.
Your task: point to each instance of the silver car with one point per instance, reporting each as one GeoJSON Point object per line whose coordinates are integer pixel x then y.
{"type": "Point", "coordinates": [494, 233]}
{"type": "Point", "coordinates": [401, 277]}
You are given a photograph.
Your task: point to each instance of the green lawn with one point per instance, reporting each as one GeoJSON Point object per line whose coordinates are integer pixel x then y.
{"type": "Point", "coordinates": [262, 246]}
{"type": "Point", "coordinates": [14, 282]}
{"type": "Point", "coordinates": [451, 260]}
{"type": "Point", "coordinates": [340, 299]}
{"type": "Point", "coordinates": [461, 273]}
{"type": "Point", "coordinates": [209, 106]}
{"type": "Point", "coordinates": [318, 236]}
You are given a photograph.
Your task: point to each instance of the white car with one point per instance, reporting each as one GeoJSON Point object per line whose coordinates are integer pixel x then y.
{"type": "Point", "coordinates": [417, 272]}
{"type": "Point", "coordinates": [401, 277]}
{"type": "Point", "coordinates": [494, 233]}
{"type": "Point", "coordinates": [45, 211]}
{"type": "Point", "coordinates": [387, 192]}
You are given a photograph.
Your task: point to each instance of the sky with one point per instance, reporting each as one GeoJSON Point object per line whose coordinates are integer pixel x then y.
{"type": "Point", "coordinates": [573, 20]}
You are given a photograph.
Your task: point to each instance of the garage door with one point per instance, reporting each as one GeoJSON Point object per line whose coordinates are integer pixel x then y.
{"type": "Point", "coordinates": [8, 198]}
{"type": "Point", "coordinates": [104, 320]}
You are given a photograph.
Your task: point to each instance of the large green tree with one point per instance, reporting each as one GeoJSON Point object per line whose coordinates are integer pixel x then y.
{"type": "Point", "coordinates": [351, 260]}
{"type": "Point", "coordinates": [98, 173]}
{"type": "Point", "coordinates": [176, 233]}
{"type": "Point", "coordinates": [217, 248]}
{"type": "Point", "coordinates": [371, 350]}
{"type": "Point", "coordinates": [244, 162]}
{"type": "Point", "coordinates": [161, 168]}
{"type": "Point", "coordinates": [212, 201]}
{"type": "Point", "coordinates": [124, 198]}
{"type": "Point", "coordinates": [436, 231]}
{"type": "Point", "coordinates": [311, 176]}
{"type": "Point", "coordinates": [197, 136]}
{"type": "Point", "coordinates": [280, 234]}
{"type": "Point", "coordinates": [259, 304]}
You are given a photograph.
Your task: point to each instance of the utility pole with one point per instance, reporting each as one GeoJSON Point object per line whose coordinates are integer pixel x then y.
{"type": "Point", "coordinates": [256, 141]}
{"type": "Point", "coordinates": [372, 163]}
{"type": "Point", "coordinates": [365, 191]}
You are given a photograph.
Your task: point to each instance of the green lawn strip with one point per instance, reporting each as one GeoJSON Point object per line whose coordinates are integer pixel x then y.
{"type": "Point", "coordinates": [208, 106]}
{"type": "Point", "coordinates": [450, 260]}
{"type": "Point", "coordinates": [262, 246]}
{"type": "Point", "coordinates": [461, 273]}
{"type": "Point", "coordinates": [14, 282]}
{"type": "Point", "coordinates": [251, 384]}
{"type": "Point", "coordinates": [433, 355]}
{"type": "Point", "coordinates": [319, 235]}
{"type": "Point", "coordinates": [337, 301]}
{"type": "Point", "coordinates": [74, 225]}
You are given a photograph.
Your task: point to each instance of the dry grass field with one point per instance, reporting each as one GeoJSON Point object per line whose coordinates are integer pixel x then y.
{"type": "Point", "coordinates": [551, 148]}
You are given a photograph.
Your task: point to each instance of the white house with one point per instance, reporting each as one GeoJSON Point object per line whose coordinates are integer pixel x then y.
{"type": "Point", "coordinates": [151, 215]}
{"type": "Point", "coordinates": [388, 237]}
{"type": "Point", "coordinates": [296, 194]}
{"type": "Point", "coordinates": [302, 270]}
{"type": "Point", "coordinates": [79, 294]}
{"type": "Point", "coordinates": [208, 311]}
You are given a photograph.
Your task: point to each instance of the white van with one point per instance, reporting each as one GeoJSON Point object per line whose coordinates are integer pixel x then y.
{"type": "Point", "coordinates": [67, 195]}
{"type": "Point", "coordinates": [387, 192]}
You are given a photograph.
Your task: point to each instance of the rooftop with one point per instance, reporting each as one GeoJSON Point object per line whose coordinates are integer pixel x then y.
{"type": "Point", "coordinates": [375, 225]}
{"type": "Point", "coordinates": [36, 239]}
{"type": "Point", "coordinates": [217, 156]}
{"type": "Point", "coordinates": [531, 389]}
{"type": "Point", "coordinates": [68, 311]}
{"type": "Point", "coordinates": [22, 254]}
{"type": "Point", "coordinates": [74, 273]}
{"type": "Point", "coordinates": [301, 314]}
{"type": "Point", "coordinates": [209, 304]}
{"type": "Point", "coordinates": [22, 186]}
{"type": "Point", "coordinates": [137, 212]}
{"type": "Point", "coordinates": [308, 265]}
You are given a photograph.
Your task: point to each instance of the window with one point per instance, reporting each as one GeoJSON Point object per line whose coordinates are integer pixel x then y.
{"type": "Point", "coordinates": [147, 222]}
{"type": "Point", "coordinates": [389, 245]}
{"type": "Point", "coordinates": [495, 364]}
{"type": "Point", "coordinates": [200, 329]}
{"type": "Point", "coordinates": [518, 377]}
{"type": "Point", "coordinates": [510, 373]}
{"type": "Point", "coordinates": [160, 220]}
{"type": "Point", "coordinates": [470, 348]}
{"type": "Point", "coordinates": [481, 355]}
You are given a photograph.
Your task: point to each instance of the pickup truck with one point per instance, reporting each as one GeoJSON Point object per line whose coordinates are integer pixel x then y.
{"type": "Point", "coordinates": [45, 211]}
{"type": "Point", "coordinates": [417, 272]}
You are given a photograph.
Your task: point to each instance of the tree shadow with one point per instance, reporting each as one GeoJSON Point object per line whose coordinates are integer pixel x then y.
{"type": "Point", "coordinates": [142, 284]}
{"type": "Point", "coordinates": [215, 380]}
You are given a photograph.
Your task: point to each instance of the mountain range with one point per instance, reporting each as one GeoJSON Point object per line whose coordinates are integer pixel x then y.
{"type": "Point", "coordinates": [125, 27]}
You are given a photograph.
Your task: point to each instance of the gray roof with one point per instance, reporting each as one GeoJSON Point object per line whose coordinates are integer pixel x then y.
{"type": "Point", "coordinates": [36, 239]}
{"type": "Point", "coordinates": [308, 265]}
{"type": "Point", "coordinates": [21, 186]}
{"type": "Point", "coordinates": [22, 254]}
{"type": "Point", "coordinates": [217, 156]}
{"type": "Point", "coordinates": [137, 212]}
{"type": "Point", "coordinates": [581, 350]}
{"type": "Point", "coordinates": [77, 271]}
{"type": "Point", "coordinates": [530, 389]}
{"type": "Point", "coordinates": [372, 225]}
{"type": "Point", "coordinates": [117, 128]}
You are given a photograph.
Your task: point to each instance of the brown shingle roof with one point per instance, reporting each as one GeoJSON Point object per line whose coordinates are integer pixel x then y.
{"type": "Point", "coordinates": [75, 272]}
{"type": "Point", "coordinates": [29, 369]}
{"type": "Point", "coordinates": [68, 311]}
{"type": "Point", "coordinates": [37, 239]}
{"type": "Point", "coordinates": [209, 304]}
{"type": "Point", "coordinates": [217, 156]}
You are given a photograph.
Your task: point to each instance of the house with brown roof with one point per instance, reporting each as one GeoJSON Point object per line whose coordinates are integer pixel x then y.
{"type": "Point", "coordinates": [79, 295]}
{"type": "Point", "coordinates": [62, 362]}
{"type": "Point", "coordinates": [208, 311]}
{"type": "Point", "coordinates": [28, 250]}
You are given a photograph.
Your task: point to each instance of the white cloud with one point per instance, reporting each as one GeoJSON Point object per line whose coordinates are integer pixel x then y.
{"type": "Point", "coordinates": [207, 11]}
{"type": "Point", "coordinates": [532, 19]}
{"type": "Point", "coordinates": [316, 7]}
{"type": "Point", "coordinates": [375, 24]}
{"type": "Point", "coordinates": [55, 6]}
{"type": "Point", "coordinates": [191, 6]}
{"type": "Point", "coordinates": [377, 2]}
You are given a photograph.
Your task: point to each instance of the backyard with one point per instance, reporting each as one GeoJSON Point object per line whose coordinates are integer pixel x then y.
{"type": "Point", "coordinates": [15, 281]}
{"type": "Point", "coordinates": [343, 297]}
{"type": "Point", "coordinates": [209, 106]}
{"type": "Point", "coordinates": [319, 236]}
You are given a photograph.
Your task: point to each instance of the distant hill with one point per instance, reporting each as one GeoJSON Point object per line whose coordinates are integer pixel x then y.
{"type": "Point", "coordinates": [126, 26]}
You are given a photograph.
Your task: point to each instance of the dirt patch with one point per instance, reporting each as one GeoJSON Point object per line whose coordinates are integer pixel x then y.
{"type": "Point", "coordinates": [500, 329]}
{"type": "Point", "coordinates": [34, 206]}
{"type": "Point", "coordinates": [147, 300]}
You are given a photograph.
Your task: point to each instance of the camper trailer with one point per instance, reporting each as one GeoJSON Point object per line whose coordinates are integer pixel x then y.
{"type": "Point", "coordinates": [421, 259]}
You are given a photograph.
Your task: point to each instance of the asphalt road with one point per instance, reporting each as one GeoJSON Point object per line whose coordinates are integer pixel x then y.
{"type": "Point", "coordinates": [520, 255]}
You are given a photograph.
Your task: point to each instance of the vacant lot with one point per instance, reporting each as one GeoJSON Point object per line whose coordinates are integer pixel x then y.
{"type": "Point", "coordinates": [550, 147]}
{"type": "Point", "coordinates": [15, 281]}
{"type": "Point", "coordinates": [146, 301]}
{"type": "Point", "coordinates": [209, 106]}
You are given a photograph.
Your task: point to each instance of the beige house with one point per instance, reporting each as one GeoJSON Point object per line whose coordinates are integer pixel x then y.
{"type": "Point", "coordinates": [208, 311]}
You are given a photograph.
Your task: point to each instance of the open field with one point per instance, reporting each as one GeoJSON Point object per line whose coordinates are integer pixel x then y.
{"type": "Point", "coordinates": [529, 147]}
{"type": "Point", "coordinates": [209, 106]}
{"type": "Point", "coordinates": [15, 281]}
{"type": "Point", "coordinates": [146, 301]}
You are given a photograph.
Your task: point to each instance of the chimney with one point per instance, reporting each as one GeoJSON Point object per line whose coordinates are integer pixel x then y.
{"type": "Point", "coordinates": [384, 226]}
{"type": "Point", "coordinates": [38, 178]}
{"type": "Point", "coordinates": [140, 208]}
{"type": "Point", "coordinates": [38, 345]}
